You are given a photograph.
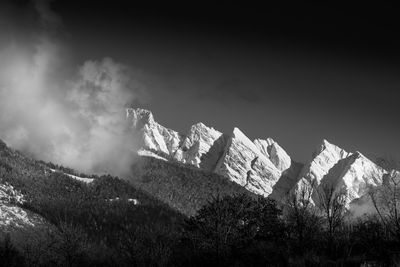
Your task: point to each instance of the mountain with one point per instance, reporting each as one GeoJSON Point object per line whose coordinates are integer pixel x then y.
{"type": "Point", "coordinates": [43, 205]}
{"type": "Point", "coordinates": [324, 158]}
{"type": "Point", "coordinates": [50, 214]}
{"type": "Point", "coordinates": [34, 194]}
{"type": "Point", "coordinates": [276, 154]}
{"type": "Point", "coordinates": [156, 138]}
{"type": "Point", "coordinates": [332, 166]}
{"type": "Point", "coordinates": [243, 163]}
{"type": "Point", "coordinates": [196, 145]}
{"type": "Point", "coordinates": [355, 175]}
{"type": "Point", "coordinates": [261, 166]}
{"type": "Point", "coordinates": [254, 165]}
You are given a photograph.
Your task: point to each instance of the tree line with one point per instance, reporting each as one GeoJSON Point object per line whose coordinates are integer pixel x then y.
{"type": "Point", "coordinates": [229, 230]}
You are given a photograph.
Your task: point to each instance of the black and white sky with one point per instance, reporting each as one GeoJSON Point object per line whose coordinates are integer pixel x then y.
{"type": "Point", "coordinates": [298, 73]}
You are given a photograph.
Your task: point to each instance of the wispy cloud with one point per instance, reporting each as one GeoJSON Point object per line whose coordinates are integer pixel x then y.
{"type": "Point", "coordinates": [74, 119]}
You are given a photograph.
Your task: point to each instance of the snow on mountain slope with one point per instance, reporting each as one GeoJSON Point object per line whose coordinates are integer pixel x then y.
{"type": "Point", "coordinates": [147, 153]}
{"type": "Point", "coordinates": [155, 136]}
{"type": "Point", "coordinates": [355, 174]}
{"type": "Point", "coordinates": [324, 158]}
{"type": "Point", "coordinates": [262, 166]}
{"type": "Point", "coordinates": [359, 175]}
{"type": "Point", "coordinates": [244, 164]}
{"type": "Point", "coordinates": [161, 142]}
{"type": "Point", "coordinates": [209, 160]}
{"type": "Point", "coordinates": [9, 195]}
{"type": "Point", "coordinates": [13, 218]}
{"type": "Point", "coordinates": [81, 179]}
{"type": "Point", "coordinates": [287, 181]}
{"type": "Point", "coordinates": [197, 143]}
{"type": "Point", "coordinates": [274, 152]}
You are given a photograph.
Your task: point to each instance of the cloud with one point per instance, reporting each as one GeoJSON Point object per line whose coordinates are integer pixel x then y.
{"type": "Point", "coordinates": [79, 122]}
{"type": "Point", "coordinates": [70, 115]}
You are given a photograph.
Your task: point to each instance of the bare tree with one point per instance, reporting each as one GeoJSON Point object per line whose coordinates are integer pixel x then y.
{"type": "Point", "coordinates": [386, 199]}
{"type": "Point", "coordinates": [332, 203]}
{"type": "Point", "coordinates": [145, 246]}
{"type": "Point", "coordinates": [71, 243]}
{"type": "Point", "coordinates": [302, 219]}
{"type": "Point", "coordinates": [39, 245]}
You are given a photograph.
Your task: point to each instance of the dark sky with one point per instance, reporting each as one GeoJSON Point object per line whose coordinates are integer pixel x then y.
{"type": "Point", "coordinates": [295, 72]}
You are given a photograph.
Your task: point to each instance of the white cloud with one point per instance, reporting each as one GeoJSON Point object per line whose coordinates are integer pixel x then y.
{"type": "Point", "coordinates": [79, 121]}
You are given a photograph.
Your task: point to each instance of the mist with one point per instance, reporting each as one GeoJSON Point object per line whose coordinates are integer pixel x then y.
{"type": "Point", "coordinates": [66, 114]}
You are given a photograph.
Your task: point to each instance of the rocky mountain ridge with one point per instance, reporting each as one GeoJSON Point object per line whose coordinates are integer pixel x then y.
{"type": "Point", "coordinates": [261, 166]}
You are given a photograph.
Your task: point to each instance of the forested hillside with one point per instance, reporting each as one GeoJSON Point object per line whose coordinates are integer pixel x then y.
{"type": "Point", "coordinates": [109, 222]}
{"type": "Point", "coordinates": [183, 187]}
{"type": "Point", "coordinates": [100, 216]}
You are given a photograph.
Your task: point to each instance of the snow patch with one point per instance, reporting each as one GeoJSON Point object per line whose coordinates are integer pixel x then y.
{"type": "Point", "coordinates": [81, 179]}
{"type": "Point", "coordinates": [13, 217]}
{"type": "Point", "coordinates": [146, 153]}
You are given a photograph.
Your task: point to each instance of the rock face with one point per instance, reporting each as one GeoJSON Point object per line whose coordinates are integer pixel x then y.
{"type": "Point", "coordinates": [333, 167]}
{"type": "Point", "coordinates": [246, 165]}
{"type": "Point", "coordinates": [274, 152]}
{"type": "Point", "coordinates": [196, 144]}
{"type": "Point", "coordinates": [255, 165]}
{"type": "Point", "coordinates": [155, 137]}
{"type": "Point", "coordinates": [286, 182]}
{"type": "Point", "coordinates": [358, 174]}
{"type": "Point", "coordinates": [324, 158]}
{"type": "Point", "coordinates": [262, 166]}
{"type": "Point", "coordinates": [161, 142]}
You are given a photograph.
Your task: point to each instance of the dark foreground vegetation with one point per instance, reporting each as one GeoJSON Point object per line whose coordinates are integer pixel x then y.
{"type": "Point", "coordinates": [230, 231]}
{"type": "Point", "coordinates": [85, 228]}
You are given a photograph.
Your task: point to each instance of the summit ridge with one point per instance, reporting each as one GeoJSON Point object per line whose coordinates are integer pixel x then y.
{"type": "Point", "coordinates": [261, 166]}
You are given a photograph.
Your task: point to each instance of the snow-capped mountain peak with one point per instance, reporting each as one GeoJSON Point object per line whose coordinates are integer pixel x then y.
{"type": "Point", "coordinates": [324, 158]}
{"type": "Point", "coordinates": [199, 132]}
{"type": "Point", "coordinates": [140, 117]}
{"type": "Point", "coordinates": [262, 166]}
{"type": "Point", "coordinates": [197, 144]}
{"type": "Point", "coordinates": [274, 152]}
{"type": "Point", "coordinates": [245, 164]}
{"type": "Point", "coordinates": [155, 137]}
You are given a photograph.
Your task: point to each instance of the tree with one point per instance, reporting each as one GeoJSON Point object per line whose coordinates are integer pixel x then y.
{"type": "Point", "coordinates": [71, 243]}
{"type": "Point", "coordinates": [39, 245]}
{"type": "Point", "coordinates": [150, 245]}
{"type": "Point", "coordinates": [302, 220]}
{"type": "Point", "coordinates": [332, 203]}
{"type": "Point", "coordinates": [371, 240]}
{"type": "Point", "coordinates": [9, 255]}
{"type": "Point", "coordinates": [386, 199]}
{"type": "Point", "coordinates": [234, 230]}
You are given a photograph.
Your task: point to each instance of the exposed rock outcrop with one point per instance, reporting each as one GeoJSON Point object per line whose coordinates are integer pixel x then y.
{"type": "Point", "coordinates": [262, 166]}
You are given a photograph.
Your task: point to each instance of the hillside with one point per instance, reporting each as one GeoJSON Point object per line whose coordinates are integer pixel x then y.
{"type": "Point", "coordinates": [53, 216]}
{"type": "Point", "coordinates": [104, 211]}
{"type": "Point", "coordinates": [182, 187]}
